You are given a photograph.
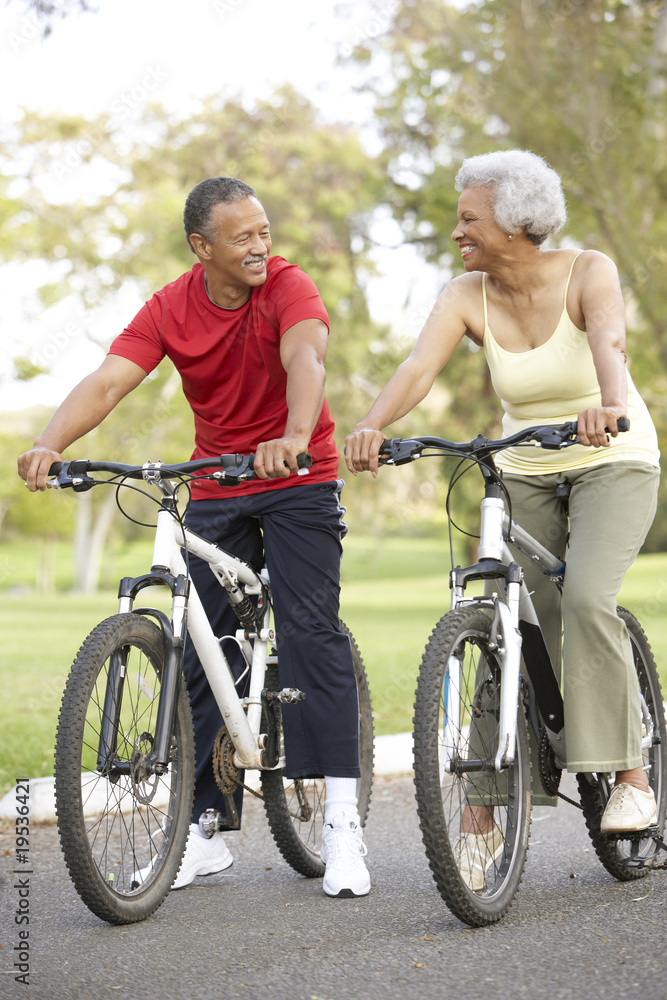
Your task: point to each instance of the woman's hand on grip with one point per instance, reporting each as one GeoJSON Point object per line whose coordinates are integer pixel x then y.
{"type": "Point", "coordinates": [362, 449]}
{"type": "Point", "coordinates": [595, 424]}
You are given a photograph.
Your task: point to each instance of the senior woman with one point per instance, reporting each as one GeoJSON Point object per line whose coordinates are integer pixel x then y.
{"type": "Point", "coordinates": [552, 325]}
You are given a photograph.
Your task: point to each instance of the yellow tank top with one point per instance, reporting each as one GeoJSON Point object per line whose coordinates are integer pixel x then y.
{"type": "Point", "coordinates": [551, 384]}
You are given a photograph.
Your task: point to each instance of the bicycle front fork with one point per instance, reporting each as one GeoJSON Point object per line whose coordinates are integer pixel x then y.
{"type": "Point", "coordinates": [507, 629]}
{"type": "Point", "coordinates": [506, 639]}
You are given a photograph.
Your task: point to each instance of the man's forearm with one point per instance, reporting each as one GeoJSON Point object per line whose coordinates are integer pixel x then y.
{"type": "Point", "coordinates": [86, 406]}
{"type": "Point", "coordinates": [304, 396]}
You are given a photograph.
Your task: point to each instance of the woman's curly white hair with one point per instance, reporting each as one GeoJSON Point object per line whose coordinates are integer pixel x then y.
{"type": "Point", "coordinates": [527, 193]}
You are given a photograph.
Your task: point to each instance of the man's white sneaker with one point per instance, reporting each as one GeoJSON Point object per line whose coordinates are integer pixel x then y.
{"type": "Point", "coordinates": [474, 853]}
{"type": "Point", "coordinates": [628, 810]}
{"type": "Point", "coordinates": [203, 856]}
{"type": "Point", "coordinates": [343, 851]}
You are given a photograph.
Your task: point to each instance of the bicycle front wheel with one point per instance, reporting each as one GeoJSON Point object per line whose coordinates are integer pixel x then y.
{"type": "Point", "coordinates": [625, 859]}
{"type": "Point", "coordinates": [475, 821]}
{"type": "Point", "coordinates": [122, 829]}
{"type": "Point", "coordinates": [295, 806]}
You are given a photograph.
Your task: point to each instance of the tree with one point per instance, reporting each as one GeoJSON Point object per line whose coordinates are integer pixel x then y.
{"type": "Point", "coordinates": [43, 13]}
{"type": "Point", "coordinates": [580, 83]}
{"type": "Point", "coordinates": [316, 182]}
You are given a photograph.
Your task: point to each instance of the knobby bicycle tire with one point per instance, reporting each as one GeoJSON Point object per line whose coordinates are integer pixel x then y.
{"type": "Point", "coordinates": [295, 807]}
{"type": "Point", "coordinates": [450, 795]}
{"type": "Point", "coordinates": [113, 827]}
{"type": "Point", "coordinates": [595, 789]}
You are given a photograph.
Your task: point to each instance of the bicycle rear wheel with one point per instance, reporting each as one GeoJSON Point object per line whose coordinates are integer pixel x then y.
{"type": "Point", "coordinates": [624, 859]}
{"type": "Point", "coordinates": [111, 824]}
{"type": "Point", "coordinates": [295, 806]}
{"type": "Point", "coordinates": [458, 789]}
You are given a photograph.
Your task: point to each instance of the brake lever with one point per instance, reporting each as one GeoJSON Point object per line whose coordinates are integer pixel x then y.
{"type": "Point", "coordinates": [555, 438]}
{"type": "Point", "coordinates": [563, 435]}
{"type": "Point", "coordinates": [400, 451]}
{"type": "Point", "coordinates": [67, 476]}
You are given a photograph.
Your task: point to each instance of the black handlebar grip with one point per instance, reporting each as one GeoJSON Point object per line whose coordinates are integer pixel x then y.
{"type": "Point", "coordinates": [623, 424]}
{"type": "Point", "coordinates": [56, 468]}
{"type": "Point", "coordinates": [303, 460]}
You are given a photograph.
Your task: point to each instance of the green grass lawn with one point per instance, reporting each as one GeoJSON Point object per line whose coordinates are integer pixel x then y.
{"type": "Point", "coordinates": [394, 591]}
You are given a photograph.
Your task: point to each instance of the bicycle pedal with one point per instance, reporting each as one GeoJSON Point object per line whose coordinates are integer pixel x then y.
{"type": "Point", "coordinates": [635, 836]}
{"type": "Point", "coordinates": [210, 822]}
{"type": "Point", "coordinates": [287, 696]}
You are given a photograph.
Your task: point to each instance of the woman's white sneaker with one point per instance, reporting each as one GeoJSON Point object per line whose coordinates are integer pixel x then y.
{"type": "Point", "coordinates": [475, 853]}
{"type": "Point", "coordinates": [629, 810]}
{"type": "Point", "coordinates": [343, 851]}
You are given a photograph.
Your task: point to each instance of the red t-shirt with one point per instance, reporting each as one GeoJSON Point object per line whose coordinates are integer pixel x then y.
{"type": "Point", "coordinates": [229, 362]}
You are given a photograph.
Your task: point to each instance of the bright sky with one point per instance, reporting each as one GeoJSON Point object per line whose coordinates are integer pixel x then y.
{"type": "Point", "coordinates": [133, 51]}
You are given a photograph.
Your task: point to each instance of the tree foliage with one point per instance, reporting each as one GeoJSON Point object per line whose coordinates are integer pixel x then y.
{"type": "Point", "coordinates": [580, 82]}
{"type": "Point", "coordinates": [317, 184]}
{"type": "Point", "coordinates": [44, 13]}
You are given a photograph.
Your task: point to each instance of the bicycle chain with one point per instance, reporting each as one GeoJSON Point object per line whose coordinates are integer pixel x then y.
{"type": "Point", "coordinates": [571, 802]}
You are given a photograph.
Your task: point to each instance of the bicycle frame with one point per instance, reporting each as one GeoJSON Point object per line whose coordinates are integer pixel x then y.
{"type": "Point", "coordinates": [240, 581]}
{"type": "Point", "coordinates": [515, 625]}
{"type": "Point", "coordinates": [187, 614]}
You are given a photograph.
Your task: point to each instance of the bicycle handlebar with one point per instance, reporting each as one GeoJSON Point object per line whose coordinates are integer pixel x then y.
{"type": "Point", "coordinates": [236, 468]}
{"type": "Point", "coordinates": [400, 451]}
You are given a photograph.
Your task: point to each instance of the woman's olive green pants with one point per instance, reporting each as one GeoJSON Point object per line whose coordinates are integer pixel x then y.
{"type": "Point", "coordinates": [611, 508]}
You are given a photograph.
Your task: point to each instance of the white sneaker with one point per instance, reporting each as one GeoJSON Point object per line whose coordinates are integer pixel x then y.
{"type": "Point", "coordinates": [343, 851]}
{"type": "Point", "coordinates": [203, 856]}
{"type": "Point", "coordinates": [628, 810]}
{"type": "Point", "coordinates": [474, 853]}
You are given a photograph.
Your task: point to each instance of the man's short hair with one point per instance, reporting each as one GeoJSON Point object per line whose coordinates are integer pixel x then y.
{"type": "Point", "coordinates": [202, 200]}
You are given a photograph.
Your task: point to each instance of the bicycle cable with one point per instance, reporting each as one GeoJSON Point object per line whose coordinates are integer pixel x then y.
{"type": "Point", "coordinates": [465, 465]}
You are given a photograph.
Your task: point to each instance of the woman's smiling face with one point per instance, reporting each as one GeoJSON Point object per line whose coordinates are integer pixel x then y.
{"type": "Point", "coordinates": [477, 233]}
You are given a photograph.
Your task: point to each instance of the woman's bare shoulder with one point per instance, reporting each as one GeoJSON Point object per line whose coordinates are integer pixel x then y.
{"type": "Point", "coordinates": [461, 302]}
{"type": "Point", "coordinates": [589, 261]}
{"type": "Point", "coordinates": [462, 289]}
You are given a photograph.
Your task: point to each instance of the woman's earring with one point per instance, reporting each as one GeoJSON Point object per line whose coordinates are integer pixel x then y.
{"type": "Point", "coordinates": [510, 236]}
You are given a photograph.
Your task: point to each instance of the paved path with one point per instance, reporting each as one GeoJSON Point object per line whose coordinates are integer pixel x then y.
{"type": "Point", "coordinates": [261, 931]}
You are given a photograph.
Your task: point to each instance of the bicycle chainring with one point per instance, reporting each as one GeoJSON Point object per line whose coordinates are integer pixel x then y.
{"type": "Point", "coordinates": [549, 773]}
{"type": "Point", "coordinates": [227, 774]}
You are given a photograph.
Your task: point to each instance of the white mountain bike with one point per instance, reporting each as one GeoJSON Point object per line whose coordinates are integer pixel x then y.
{"type": "Point", "coordinates": [124, 760]}
{"type": "Point", "coordinates": [485, 678]}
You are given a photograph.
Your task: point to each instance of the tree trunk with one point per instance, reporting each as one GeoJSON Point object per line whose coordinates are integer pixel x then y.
{"type": "Point", "coordinates": [91, 533]}
{"type": "Point", "coordinates": [46, 565]}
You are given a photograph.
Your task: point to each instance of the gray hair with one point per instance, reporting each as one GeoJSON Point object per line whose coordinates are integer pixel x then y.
{"type": "Point", "coordinates": [527, 192]}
